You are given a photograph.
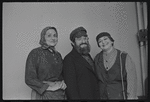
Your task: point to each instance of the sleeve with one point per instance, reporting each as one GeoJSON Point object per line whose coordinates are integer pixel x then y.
{"type": "Point", "coordinates": [131, 78]}
{"type": "Point", "coordinates": [69, 74]}
{"type": "Point", "coordinates": [31, 78]}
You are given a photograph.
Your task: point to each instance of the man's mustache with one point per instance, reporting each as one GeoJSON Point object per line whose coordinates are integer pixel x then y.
{"type": "Point", "coordinates": [83, 44]}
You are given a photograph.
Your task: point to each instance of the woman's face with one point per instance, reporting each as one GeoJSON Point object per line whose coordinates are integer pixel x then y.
{"type": "Point", "coordinates": [51, 37]}
{"type": "Point", "coordinates": [105, 43]}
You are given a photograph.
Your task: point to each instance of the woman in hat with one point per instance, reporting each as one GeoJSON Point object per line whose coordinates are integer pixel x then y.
{"type": "Point", "coordinates": [43, 73]}
{"type": "Point", "coordinates": [115, 70]}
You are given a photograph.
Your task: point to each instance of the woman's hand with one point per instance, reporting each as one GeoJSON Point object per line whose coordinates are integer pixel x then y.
{"type": "Point", "coordinates": [63, 85]}
{"type": "Point", "coordinates": [55, 85]}
{"type": "Point", "coordinates": [52, 85]}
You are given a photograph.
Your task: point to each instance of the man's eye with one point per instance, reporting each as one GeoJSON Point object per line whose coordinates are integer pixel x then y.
{"type": "Point", "coordinates": [78, 38]}
{"type": "Point", "coordinates": [55, 35]}
{"type": "Point", "coordinates": [49, 35]}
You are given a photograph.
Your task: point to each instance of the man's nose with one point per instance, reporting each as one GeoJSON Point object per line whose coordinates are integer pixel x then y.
{"type": "Point", "coordinates": [83, 40]}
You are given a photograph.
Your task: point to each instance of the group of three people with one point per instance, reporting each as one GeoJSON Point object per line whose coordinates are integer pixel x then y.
{"type": "Point", "coordinates": [111, 75]}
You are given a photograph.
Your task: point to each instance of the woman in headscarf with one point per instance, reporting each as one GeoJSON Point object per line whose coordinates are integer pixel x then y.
{"type": "Point", "coordinates": [115, 70]}
{"type": "Point", "coordinates": [43, 73]}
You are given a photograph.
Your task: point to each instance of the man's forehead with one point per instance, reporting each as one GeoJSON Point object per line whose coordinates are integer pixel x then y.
{"type": "Point", "coordinates": [81, 36]}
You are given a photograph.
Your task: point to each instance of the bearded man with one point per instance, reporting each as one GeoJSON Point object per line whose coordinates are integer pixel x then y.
{"type": "Point", "coordinates": [78, 68]}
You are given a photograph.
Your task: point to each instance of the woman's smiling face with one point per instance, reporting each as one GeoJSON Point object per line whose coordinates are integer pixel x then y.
{"type": "Point", "coordinates": [51, 37]}
{"type": "Point", "coordinates": [105, 43]}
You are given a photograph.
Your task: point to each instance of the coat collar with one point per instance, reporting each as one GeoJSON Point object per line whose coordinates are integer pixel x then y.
{"type": "Point", "coordinates": [51, 49]}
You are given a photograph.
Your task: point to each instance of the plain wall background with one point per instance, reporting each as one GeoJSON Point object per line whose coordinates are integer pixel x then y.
{"type": "Point", "coordinates": [23, 23]}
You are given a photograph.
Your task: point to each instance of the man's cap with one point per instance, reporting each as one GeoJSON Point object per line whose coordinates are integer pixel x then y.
{"type": "Point", "coordinates": [78, 32]}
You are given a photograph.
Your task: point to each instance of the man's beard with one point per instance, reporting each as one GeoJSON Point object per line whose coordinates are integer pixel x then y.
{"type": "Point", "coordinates": [84, 50]}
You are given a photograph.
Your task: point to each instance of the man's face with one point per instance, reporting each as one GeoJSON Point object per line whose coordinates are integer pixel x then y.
{"type": "Point", "coordinates": [82, 45]}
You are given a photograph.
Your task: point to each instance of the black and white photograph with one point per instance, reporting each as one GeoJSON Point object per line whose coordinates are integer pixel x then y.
{"type": "Point", "coordinates": [74, 50]}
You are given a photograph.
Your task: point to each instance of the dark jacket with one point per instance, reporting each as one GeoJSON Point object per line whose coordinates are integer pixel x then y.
{"type": "Point", "coordinates": [79, 77]}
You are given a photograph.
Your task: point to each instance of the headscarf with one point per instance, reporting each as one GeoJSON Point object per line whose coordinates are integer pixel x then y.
{"type": "Point", "coordinates": [42, 40]}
